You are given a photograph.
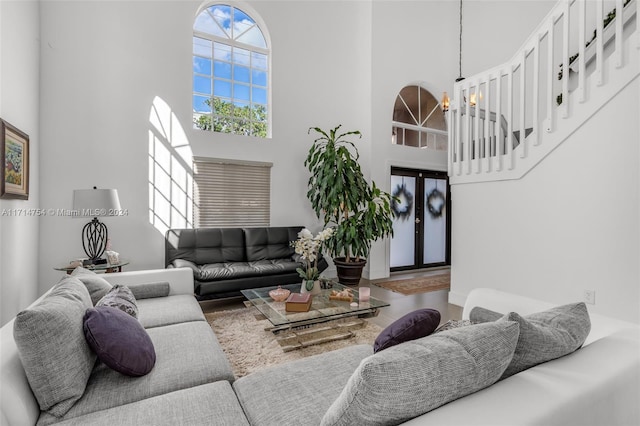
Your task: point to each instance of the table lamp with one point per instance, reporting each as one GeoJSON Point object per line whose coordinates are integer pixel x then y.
{"type": "Point", "coordinates": [95, 203]}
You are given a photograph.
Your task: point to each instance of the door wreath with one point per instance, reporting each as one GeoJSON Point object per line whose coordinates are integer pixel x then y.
{"type": "Point", "coordinates": [435, 203]}
{"type": "Point", "coordinates": [402, 202]}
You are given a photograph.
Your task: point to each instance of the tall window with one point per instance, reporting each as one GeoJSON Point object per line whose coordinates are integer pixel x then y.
{"type": "Point", "coordinates": [418, 120]}
{"type": "Point", "coordinates": [230, 73]}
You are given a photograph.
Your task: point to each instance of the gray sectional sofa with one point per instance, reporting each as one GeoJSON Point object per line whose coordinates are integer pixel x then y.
{"type": "Point", "coordinates": [192, 383]}
{"type": "Point", "coordinates": [227, 260]}
{"type": "Point", "coordinates": [189, 384]}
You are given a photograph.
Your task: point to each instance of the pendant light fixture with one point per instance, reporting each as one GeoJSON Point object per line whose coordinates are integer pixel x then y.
{"type": "Point", "coordinates": [460, 77]}
{"type": "Point", "coordinates": [445, 98]}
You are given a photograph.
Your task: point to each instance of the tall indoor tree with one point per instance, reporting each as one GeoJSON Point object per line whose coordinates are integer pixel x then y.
{"type": "Point", "coordinates": [341, 196]}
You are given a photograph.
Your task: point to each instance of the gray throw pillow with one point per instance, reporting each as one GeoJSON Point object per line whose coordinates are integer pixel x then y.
{"type": "Point", "coordinates": [51, 344]}
{"type": "Point", "coordinates": [407, 380]}
{"type": "Point", "coordinates": [150, 290]}
{"type": "Point", "coordinates": [479, 314]}
{"type": "Point", "coordinates": [451, 324]}
{"type": "Point", "coordinates": [548, 335]}
{"type": "Point", "coordinates": [96, 285]}
{"type": "Point", "coordinates": [120, 297]}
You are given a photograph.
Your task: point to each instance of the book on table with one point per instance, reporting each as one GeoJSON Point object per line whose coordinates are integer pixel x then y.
{"type": "Point", "coordinates": [298, 302]}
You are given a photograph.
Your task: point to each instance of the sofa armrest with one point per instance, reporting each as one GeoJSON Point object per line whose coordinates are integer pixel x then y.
{"type": "Point", "coordinates": [502, 302]}
{"type": "Point", "coordinates": [180, 279]}
{"type": "Point", "coordinates": [183, 263]}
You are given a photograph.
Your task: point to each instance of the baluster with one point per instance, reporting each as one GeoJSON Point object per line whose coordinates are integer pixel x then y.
{"type": "Point", "coordinates": [582, 13]}
{"type": "Point", "coordinates": [523, 93]}
{"type": "Point", "coordinates": [637, 25]}
{"type": "Point", "coordinates": [487, 124]}
{"type": "Point", "coordinates": [450, 142]}
{"type": "Point", "coordinates": [468, 130]}
{"type": "Point", "coordinates": [565, 59]}
{"type": "Point", "coordinates": [498, 122]}
{"type": "Point", "coordinates": [477, 141]}
{"type": "Point", "coordinates": [509, 150]}
{"type": "Point", "coordinates": [599, 43]}
{"type": "Point", "coordinates": [619, 38]}
{"type": "Point", "coordinates": [458, 98]}
{"type": "Point", "coordinates": [536, 94]}
{"type": "Point", "coordinates": [550, 78]}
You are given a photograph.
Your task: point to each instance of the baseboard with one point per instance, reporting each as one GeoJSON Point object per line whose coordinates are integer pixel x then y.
{"type": "Point", "coordinates": [457, 299]}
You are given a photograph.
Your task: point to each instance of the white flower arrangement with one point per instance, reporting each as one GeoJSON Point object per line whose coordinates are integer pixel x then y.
{"type": "Point", "coordinates": [308, 247]}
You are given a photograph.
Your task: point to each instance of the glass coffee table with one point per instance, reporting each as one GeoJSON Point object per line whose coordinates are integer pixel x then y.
{"type": "Point", "coordinates": [322, 309]}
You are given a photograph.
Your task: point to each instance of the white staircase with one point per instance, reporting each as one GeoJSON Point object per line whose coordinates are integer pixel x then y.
{"type": "Point", "coordinates": [534, 95]}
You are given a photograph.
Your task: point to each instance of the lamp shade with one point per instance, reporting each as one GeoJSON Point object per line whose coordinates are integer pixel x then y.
{"type": "Point", "coordinates": [95, 202]}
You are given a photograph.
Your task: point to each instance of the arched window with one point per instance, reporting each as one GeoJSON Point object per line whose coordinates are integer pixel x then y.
{"type": "Point", "coordinates": [230, 73]}
{"type": "Point", "coordinates": [418, 120]}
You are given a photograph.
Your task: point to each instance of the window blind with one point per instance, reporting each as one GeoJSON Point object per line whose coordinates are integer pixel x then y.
{"type": "Point", "coordinates": [229, 193]}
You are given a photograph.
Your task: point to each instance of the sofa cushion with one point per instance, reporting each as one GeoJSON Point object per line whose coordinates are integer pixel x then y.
{"type": "Point", "coordinates": [213, 403]}
{"type": "Point", "coordinates": [52, 347]}
{"type": "Point", "coordinates": [161, 311]}
{"type": "Point", "coordinates": [119, 340]}
{"type": "Point", "coordinates": [205, 245]}
{"type": "Point", "coordinates": [548, 335]}
{"type": "Point", "coordinates": [120, 297]}
{"type": "Point", "coordinates": [270, 243]}
{"type": "Point", "coordinates": [235, 270]}
{"type": "Point", "coordinates": [415, 377]}
{"type": "Point", "coordinates": [187, 355]}
{"type": "Point", "coordinates": [96, 285]}
{"type": "Point", "coordinates": [298, 392]}
{"type": "Point", "coordinates": [416, 324]}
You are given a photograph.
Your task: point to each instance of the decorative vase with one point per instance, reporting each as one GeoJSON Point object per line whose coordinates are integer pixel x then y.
{"type": "Point", "coordinates": [315, 288]}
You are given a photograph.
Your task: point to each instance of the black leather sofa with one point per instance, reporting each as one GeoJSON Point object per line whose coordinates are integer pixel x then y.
{"type": "Point", "coordinates": [227, 260]}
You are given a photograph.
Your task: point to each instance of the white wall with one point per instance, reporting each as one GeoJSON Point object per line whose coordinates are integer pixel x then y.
{"type": "Point", "coordinates": [416, 42]}
{"type": "Point", "coordinates": [19, 105]}
{"type": "Point", "coordinates": [105, 62]}
{"type": "Point", "coordinates": [333, 62]}
{"type": "Point", "coordinates": [570, 224]}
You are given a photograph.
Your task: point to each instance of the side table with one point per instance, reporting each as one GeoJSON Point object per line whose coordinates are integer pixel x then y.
{"type": "Point", "coordinates": [106, 267]}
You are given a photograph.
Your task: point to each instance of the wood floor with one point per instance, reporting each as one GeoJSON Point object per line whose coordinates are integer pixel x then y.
{"type": "Point", "coordinates": [399, 303]}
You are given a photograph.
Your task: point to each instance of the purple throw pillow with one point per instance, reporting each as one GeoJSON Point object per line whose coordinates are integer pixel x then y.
{"type": "Point", "coordinates": [412, 326]}
{"type": "Point", "coordinates": [119, 340]}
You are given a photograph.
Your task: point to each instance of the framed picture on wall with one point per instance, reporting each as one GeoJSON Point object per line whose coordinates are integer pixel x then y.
{"type": "Point", "coordinates": [14, 157]}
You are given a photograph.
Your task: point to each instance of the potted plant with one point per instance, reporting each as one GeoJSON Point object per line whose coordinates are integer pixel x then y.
{"type": "Point", "coordinates": [340, 195]}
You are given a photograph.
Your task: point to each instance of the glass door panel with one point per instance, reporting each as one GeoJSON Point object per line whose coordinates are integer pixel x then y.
{"type": "Point", "coordinates": [403, 241]}
{"type": "Point", "coordinates": [435, 221]}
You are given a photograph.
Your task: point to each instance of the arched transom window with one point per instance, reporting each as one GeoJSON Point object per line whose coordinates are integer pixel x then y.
{"type": "Point", "coordinates": [418, 120]}
{"type": "Point", "coordinates": [230, 73]}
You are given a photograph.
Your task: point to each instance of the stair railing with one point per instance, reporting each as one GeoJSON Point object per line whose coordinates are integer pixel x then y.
{"type": "Point", "coordinates": [529, 93]}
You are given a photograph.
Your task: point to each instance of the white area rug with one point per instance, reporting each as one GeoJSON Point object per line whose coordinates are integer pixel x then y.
{"type": "Point", "coordinates": [250, 348]}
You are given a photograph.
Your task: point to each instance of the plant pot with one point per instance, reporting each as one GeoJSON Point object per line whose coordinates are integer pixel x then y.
{"type": "Point", "coordinates": [349, 273]}
{"type": "Point", "coordinates": [316, 289]}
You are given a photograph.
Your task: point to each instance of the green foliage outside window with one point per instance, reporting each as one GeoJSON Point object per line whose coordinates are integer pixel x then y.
{"type": "Point", "coordinates": [230, 118]}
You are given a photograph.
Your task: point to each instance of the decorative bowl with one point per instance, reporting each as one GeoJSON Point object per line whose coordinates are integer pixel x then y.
{"type": "Point", "coordinates": [280, 294]}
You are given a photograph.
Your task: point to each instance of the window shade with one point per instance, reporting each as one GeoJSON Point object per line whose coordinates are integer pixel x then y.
{"type": "Point", "coordinates": [231, 193]}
